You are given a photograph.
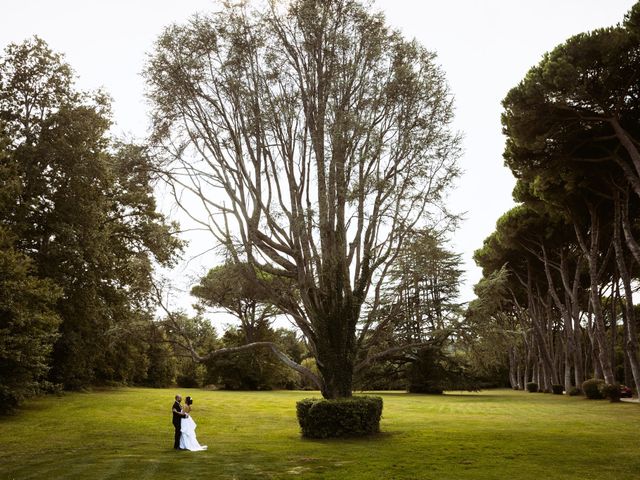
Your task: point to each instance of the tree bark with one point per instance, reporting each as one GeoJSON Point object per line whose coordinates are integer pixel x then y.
{"type": "Point", "coordinates": [592, 253]}
{"type": "Point", "coordinates": [631, 334]}
{"type": "Point", "coordinates": [513, 379]}
{"type": "Point", "coordinates": [627, 143]}
{"type": "Point", "coordinates": [569, 350]}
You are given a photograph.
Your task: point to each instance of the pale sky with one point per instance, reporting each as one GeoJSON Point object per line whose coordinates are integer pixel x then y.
{"type": "Point", "coordinates": [485, 48]}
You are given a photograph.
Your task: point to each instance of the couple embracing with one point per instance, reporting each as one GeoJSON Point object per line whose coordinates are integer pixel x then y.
{"type": "Point", "coordinates": [185, 427]}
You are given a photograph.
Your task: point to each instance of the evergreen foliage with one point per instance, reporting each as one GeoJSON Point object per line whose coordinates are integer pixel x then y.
{"type": "Point", "coordinates": [434, 372]}
{"type": "Point", "coordinates": [257, 369]}
{"type": "Point", "coordinates": [569, 250]}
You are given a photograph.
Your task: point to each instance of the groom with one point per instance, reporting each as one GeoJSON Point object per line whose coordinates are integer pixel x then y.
{"type": "Point", "coordinates": [177, 417]}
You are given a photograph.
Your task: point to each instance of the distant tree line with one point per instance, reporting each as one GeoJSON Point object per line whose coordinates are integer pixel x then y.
{"type": "Point", "coordinates": [560, 271]}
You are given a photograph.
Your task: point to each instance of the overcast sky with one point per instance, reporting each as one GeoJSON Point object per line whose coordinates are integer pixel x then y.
{"type": "Point", "coordinates": [484, 46]}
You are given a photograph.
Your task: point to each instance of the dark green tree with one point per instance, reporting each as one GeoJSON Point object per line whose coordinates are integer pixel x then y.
{"type": "Point", "coordinates": [28, 321]}
{"type": "Point", "coordinates": [188, 335]}
{"type": "Point", "coordinates": [572, 129]}
{"type": "Point", "coordinates": [251, 300]}
{"type": "Point", "coordinates": [85, 215]}
{"type": "Point", "coordinates": [426, 280]}
{"type": "Point", "coordinates": [28, 325]}
{"type": "Point", "coordinates": [163, 363]}
{"type": "Point", "coordinates": [250, 297]}
{"type": "Point", "coordinates": [256, 369]}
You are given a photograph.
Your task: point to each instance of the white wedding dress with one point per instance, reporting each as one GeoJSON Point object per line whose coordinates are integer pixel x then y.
{"type": "Point", "coordinates": [188, 440]}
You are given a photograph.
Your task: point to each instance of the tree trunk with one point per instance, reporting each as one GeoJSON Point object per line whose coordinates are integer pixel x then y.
{"type": "Point", "coordinates": [628, 143]}
{"type": "Point", "coordinates": [630, 333]}
{"type": "Point", "coordinates": [336, 349]}
{"type": "Point", "coordinates": [513, 380]}
{"type": "Point", "coordinates": [578, 361]}
{"type": "Point", "coordinates": [519, 375]}
{"type": "Point", "coordinates": [632, 243]}
{"type": "Point", "coordinates": [338, 377]}
{"type": "Point", "coordinates": [566, 317]}
{"type": "Point", "coordinates": [600, 329]}
{"type": "Point", "coordinates": [573, 328]}
{"type": "Point", "coordinates": [592, 252]}
{"type": "Point", "coordinates": [527, 367]}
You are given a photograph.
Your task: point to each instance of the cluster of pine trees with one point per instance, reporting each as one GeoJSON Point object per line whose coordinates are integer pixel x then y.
{"type": "Point", "coordinates": [562, 266]}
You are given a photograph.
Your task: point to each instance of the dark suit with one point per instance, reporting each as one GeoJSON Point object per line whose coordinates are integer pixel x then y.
{"type": "Point", "coordinates": [177, 417]}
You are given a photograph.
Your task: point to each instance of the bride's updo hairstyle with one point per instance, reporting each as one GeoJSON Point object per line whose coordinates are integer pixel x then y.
{"type": "Point", "coordinates": [188, 401]}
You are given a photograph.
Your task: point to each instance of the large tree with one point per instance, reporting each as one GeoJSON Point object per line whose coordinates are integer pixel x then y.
{"type": "Point", "coordinates": [314, 139]}
{"type": "Point", "coordinates": [28, 322]}
{"type": "Point", "coordinates": [84, 214]}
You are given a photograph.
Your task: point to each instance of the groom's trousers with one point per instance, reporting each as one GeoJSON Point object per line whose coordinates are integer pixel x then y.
{"type": "Point", "coordinates": [176, 441]}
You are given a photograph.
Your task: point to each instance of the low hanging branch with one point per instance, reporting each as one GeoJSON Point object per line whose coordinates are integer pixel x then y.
{"type": "Point", "coordinates": [187, 345]}
{"type": "Point", "coordinates": [439, 339]}
{"type": "Point", "coordinates": [386, 354]}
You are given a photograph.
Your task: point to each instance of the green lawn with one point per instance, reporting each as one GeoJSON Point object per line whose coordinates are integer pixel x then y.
{"type": "Point", "coordinates": [127, 433]}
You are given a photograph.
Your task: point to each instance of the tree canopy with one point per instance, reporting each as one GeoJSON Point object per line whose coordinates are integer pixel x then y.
{"type": "Point", "coordinates": [82, 217]}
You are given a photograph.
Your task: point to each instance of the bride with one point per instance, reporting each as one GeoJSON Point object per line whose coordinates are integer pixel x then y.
{"type": "Point", "coordinates": [188, 440]}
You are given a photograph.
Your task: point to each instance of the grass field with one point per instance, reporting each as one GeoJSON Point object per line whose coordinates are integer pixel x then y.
{"type": "Point", "coordinates": [127, 433]}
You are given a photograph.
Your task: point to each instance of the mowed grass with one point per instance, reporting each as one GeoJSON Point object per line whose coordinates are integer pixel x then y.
{"type": "Point", "coordinates": [127, 433]}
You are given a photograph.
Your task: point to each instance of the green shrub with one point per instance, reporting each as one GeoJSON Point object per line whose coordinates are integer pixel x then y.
{"type": "Point", "coordinates": [591, 388]}
{"type": "Point", "coordinates": [557, 389]}
{"type": "Point", "coordinates": [612, 392]}
{"type": "Point", "coordinates": [575, 391]}
{"type": "Point", "coordinates": [532, 387]}
{"type": "Point", "coordinates": [320, 418]}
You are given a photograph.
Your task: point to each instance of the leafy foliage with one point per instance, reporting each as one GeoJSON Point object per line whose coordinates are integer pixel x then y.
{"type": "Point", "coordinates": [433, 371]}
{"type": "Point", "coordinates": [257, 369]}
{"type": "Point", "coordinates": [572, 128]}
{"type": "Point", "coordinates": [184, 333]}
{"type": "Point", "coordinates": [163, 364]}
{"type": "Point", "coordinates": [83, 213]}
{"type": "Point", "coordinates": [28, 326]}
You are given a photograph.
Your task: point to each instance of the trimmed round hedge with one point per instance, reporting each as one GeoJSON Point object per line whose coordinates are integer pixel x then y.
{"type": "Point", "coordinates": [557, 389]}
{"type": "Point", "coordinates": [345, 417]}
{"type": "Point", "coordinates": [612, 392]}
{"type": "Point", "coordinates": [591, 388]}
